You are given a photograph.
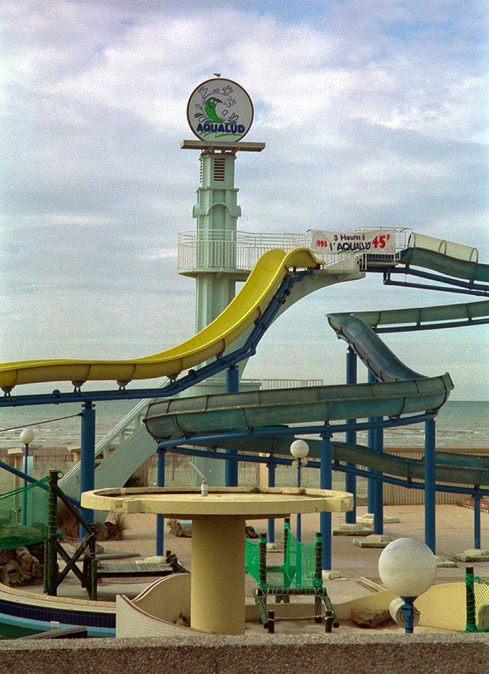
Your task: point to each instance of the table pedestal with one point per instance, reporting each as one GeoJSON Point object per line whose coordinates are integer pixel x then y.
{"type": "Point", "coordinates": [217, 598]}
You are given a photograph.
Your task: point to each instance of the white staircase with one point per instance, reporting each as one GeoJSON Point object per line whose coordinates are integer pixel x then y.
{"type": "Point", "coordinates": [119, 453]}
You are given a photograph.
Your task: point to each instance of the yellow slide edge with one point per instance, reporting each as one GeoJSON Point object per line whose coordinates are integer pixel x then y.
{"type": "Point", "coordinates": [248, 305]}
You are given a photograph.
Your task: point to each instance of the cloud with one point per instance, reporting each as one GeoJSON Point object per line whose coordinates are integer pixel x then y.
{"type": "Point", "coordinates": [374, 113]}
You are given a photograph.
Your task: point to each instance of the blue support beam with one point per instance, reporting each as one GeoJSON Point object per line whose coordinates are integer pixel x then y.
{"type": "Point", "coordinates": [87, 457]}
{"type": "Point", "coordinates": [430, 485]}
{"type": "Point", "coordinates": [477, 519]}
{"type": "Point", "coordinates": [231, 467]}
{"type": "Point", "coordinates": [371, 443]}
{"type": "Point", "coordinates": [378, 487]}
{"type": "Point", "coordinates": [458, 286]}
{"type": "Point", "coordinates": [160, 521]}
{"type": "Point", "coordinates": [325, 482]}
{"type": "Point", "coordinates": [271, 483]}
{"type": "Point", "coordinates": [351, 437]}
{"type": "Point", "coordinates": [285, 430]}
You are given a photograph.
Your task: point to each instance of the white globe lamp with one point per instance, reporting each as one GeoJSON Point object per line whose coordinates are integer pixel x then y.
{"type": "Point", "coordinates": [407, 567]}
{"type": "Point", "coordinates": [299, 449]}
{"type": "Point", "coordinates": [27, 436]}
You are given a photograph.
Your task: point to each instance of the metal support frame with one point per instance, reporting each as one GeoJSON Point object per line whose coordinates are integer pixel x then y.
{"type": "Point", "coordinates": [26, 458]}
{"type": "Point", "coordinates": [458, 286]}
{"type": "Point", "coordinates": [325, 482]}
{"type": "Point", "coordinates": [351, 436]}
{"type": "Point", "coordinates": [231, 468]}
{"type": "Point", "coordinates": [430, 484]}
{"type": "Point", "coordinates": [298, 519]}
{"type": "Point", "coordinates": [160, 521]}
{"type": "Point", "coordinates": [87, 458]}
{"type": "Point", "coordinates": [271, 465]}
{"type": "Point", "coordinates": [378, 487]}
{"type": "Point", "coordinates": [476, 496]}
{"type": "Point", "coordinates": [371, 443]}
{"type": "Point", "coordinates": [359, 472]}
{"type": "Point", "coordinates": [276, 431]}
{"type": "Point", "coordinates": [441, 325]}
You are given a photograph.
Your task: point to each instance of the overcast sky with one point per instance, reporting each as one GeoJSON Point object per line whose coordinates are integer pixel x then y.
{"type": "Point", "coordinates": [374, 113]}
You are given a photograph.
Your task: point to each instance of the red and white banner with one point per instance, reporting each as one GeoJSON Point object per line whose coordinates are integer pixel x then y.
{"type": "Point", "coordinates": [382, 241]}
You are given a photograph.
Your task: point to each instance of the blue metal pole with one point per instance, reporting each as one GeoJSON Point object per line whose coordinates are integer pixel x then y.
{"type": "Point", "coordinates": [407, 610]}
{"type": "Point", "coordinates": [298, 526]}
{"type": "Point", "coordinates": [378, 485]}
{"type": "Point", "coordinates": [477, 519]}
{"type": "Point", "coordinates": [325, 481]}
{"type": "Point", "coordinates": [429, 484]}
{"type": "Point", "coordinates": [231, 467]}
{"type": "Point", "coordinates": [271, 483]}
{"type": "Point", "coordinates": [160, 522]}
{"type": "Point", "coordinates": [26, 456]}
{"type": "Point", "coordinates": [232, 379]}
{"type": "Point", "coordinates": [87, 457]}
{"type": "Point", "coordinates": [351, 437]}
{"type": "Point", "coordinates": [371, 443]}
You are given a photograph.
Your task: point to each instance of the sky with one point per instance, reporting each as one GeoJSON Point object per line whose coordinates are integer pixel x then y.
{"type": "Point", "coordinates": [374, 113]}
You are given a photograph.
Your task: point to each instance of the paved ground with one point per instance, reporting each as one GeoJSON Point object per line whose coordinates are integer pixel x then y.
{"type": "Point", "coordinates": [454, 534]}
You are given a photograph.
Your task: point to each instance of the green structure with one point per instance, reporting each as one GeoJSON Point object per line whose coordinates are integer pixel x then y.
{"type": "Point", "coordinates": [299, 574]}
{"type": "Point", "coordinates": [24, 515]}
{"type": "Point", "coordinates": [477, 602]}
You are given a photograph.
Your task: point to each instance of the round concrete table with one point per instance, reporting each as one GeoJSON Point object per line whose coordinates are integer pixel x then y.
{"type": "Point", "coordinates": [217, 596]}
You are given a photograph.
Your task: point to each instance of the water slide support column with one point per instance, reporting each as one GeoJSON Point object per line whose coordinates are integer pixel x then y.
{"type": "Point", "coordinates": [371, 443]}
{"type": "Point", "coordinates": [429, 489]}
{"type": "Point", "coordinates": [87, 457]}
{"type": "Point", "coordinates": [378, 484]}
{"type": "Point", "coordinates": [476, 497]}
{"type": "Point", "coordinates": [325, 482]}
{"type": "Point", "coordinates": [351, 437]}
{"type": "Point", "coordinates": [231, 469]}
{"type": "Point", "coordinates": [160, 521]}
{"type": "Point", "coordinates": [271, 483]}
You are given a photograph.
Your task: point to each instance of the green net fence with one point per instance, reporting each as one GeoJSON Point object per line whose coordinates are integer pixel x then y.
{"type": "Point", "coordinates": [24, 515]}
{"type": "Point", "coordinates": [299, 568]}
{"type": "Point", "coordinates": [477, 602]}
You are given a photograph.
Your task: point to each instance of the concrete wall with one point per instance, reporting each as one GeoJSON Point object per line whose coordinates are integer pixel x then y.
{"type": "Point", "coordinates": [269, 654]}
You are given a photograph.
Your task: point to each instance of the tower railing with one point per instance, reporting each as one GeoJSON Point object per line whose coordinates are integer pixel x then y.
{"type": "Point", "coordinates": [217, 249]}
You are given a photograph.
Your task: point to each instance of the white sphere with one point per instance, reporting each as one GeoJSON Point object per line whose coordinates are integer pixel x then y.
{"type": "Point", "coordinates": [407, 567]}
{"type": "Point", "coordinates": [27, 436]}
{"type": "Point", "coordinates": [299, 449]}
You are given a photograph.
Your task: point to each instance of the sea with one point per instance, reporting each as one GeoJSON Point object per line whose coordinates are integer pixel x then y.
{"type": "Point", "coordinates": [459, 425]}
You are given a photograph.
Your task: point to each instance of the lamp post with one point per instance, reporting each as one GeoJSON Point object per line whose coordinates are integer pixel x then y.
{"type": "Point", "coordinates": [26, 437]}
{"type": "Point", "coordinates": [407, 567]}
{"type": "Point", "coordinates": [299, 450]}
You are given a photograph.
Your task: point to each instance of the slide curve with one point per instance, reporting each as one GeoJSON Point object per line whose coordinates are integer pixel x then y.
{"type": "Point", "coordinates": [400, 389]}
{"type": "Point", "coordinates": [246, 307]}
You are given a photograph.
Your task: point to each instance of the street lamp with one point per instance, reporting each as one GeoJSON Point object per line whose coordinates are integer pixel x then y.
{"type": "Point", "coordinates": [299, 450]}
{"type": "Point", "coordinates": [26, 437]}
{"type": "Point", "coordinates": [407, 567]}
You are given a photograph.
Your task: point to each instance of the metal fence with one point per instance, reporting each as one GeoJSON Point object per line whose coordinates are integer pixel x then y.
{"type": "Point", "coordinates": [219, 249]}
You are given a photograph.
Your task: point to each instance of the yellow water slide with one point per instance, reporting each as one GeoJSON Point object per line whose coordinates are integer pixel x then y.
{"type": "Point", "coordinates": [246, 307]}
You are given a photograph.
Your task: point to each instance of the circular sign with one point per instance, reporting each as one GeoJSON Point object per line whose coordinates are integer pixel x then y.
{"type": "Point", "coordinates": [220, 110]}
